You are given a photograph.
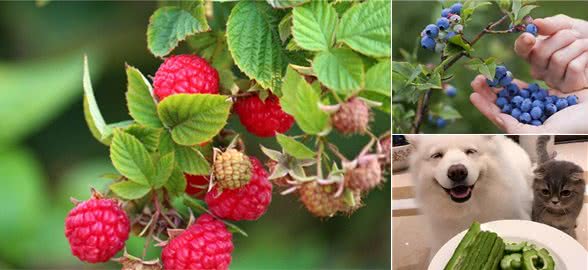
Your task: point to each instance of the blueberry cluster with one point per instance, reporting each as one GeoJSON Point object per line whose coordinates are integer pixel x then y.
{"type": "Point", "coordinates": [435, 36]}
{"type": "Point", "coordinates": [531, 105]}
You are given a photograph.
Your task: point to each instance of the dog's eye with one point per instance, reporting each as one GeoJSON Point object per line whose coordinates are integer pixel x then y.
{"type": "Point", "coordinates": [471, 151]}
{"type": "Point", "coordinates": [436, 155]}
{"type": "Point", "coordinates": [545, 192]}
{"type": "Point", "coordinates": [565, 193]}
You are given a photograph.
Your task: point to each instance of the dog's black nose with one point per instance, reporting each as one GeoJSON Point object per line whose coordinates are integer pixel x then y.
{"type": "Point", "coordinates": [457, 173]}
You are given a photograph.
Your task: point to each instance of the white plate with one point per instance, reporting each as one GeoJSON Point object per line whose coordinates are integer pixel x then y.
{"type": "Point", "coordinates": [567, 252]}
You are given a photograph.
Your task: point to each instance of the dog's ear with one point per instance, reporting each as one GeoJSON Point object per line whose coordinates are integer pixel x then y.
{"type": "Point", "coordinates": [414, 140]}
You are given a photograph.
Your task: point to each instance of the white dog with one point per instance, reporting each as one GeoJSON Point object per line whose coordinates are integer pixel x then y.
{"type": "Point", "coordinates": [461, 179]}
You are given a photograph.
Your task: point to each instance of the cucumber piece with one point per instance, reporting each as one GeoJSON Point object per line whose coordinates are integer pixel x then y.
{"type": "Point", "coordinates": [473, 257]}
{"type": "Point", "coordinates": [505, 263]}
{"type": "Point", "coordinates": [495, 255]}
{"type": "Point", "coordinates": [459, 253]}
{"type": "Point", "coordinates": [548, 263]}
{"type": "Point", "coordinates": [514, 247]}
{"type": "Point", "coordinates": [486, 249]}
{"type": "Point", "coordinates": [499, 257]}
{"type": "Point", "coordinates": [517, 261]}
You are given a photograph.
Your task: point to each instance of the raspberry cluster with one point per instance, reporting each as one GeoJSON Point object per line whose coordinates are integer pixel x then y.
{"type": "Point", "coordinates": [435, 36]}
{"type": "Point", "coordinates": [532, 105]}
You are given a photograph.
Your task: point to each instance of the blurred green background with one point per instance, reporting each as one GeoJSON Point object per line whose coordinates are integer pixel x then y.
{"type": "Point", "coordinates": [410, 17]}
{"type": "Point", "coordinates": [47, 153]}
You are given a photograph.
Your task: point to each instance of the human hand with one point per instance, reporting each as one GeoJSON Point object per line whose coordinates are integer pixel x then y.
{"type": "Point", "coordinates": [559, 55]}
{"type": "Point", "coordinates": [569, 120]}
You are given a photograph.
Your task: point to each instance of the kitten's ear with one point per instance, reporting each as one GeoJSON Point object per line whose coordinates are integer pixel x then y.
{"type": "Point", "coordinates": [539, 173]}
{"type": "Point", "coordinates": [577, 176]}
{"type": "Point", "coordinates": [414, 140]}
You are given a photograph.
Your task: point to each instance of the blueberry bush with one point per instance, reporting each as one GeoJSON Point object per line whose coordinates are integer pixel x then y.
{"type": "Point", "coordinates": [181, 168]}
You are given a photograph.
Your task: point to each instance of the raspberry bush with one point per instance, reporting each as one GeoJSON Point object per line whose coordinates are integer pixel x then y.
{"type": "Point", "coordinates": [297, 72]}
{"type": "Point", "coordinates": [417, 85]}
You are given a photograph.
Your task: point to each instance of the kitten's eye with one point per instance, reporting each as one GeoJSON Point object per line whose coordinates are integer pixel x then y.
{"type": "Point", "coordinates": [471, 151]}
{"type": "Point", "coordinates": [436, 155]}
{"type": "Point", "coordinates": [565, 193]}
{"type": "Point", "coordinates": [545, 192]}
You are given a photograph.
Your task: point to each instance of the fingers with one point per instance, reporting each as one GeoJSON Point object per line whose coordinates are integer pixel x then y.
{"type": "Point", "coordinates": [524, 45]}
{"type": "Point", "coordinates": [480, 86]}
{"type": "Point", "coordinates": [575, 74]}
{"type": "Point", "coordinates": [551, 25]}
{"type": "Point", "coordinates": [560, 60]}
{"type": "Point", "coordinates": [544, 49]}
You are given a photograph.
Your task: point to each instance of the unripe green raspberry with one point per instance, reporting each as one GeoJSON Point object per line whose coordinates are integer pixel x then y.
{"type": "Point", "coordinates": [232, 169]}
{"type": "Point", "coordinates": [319, 200]}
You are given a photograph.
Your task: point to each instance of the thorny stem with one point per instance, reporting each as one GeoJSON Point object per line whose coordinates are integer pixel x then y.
{"type": "Point", "coordinates": [335, 150]}
{"type": "Point", "coordinates": [153, 225]}
{"type": "Point", "coordinates": [423, 102]}
{"type": "Point", "coordinates": [319, 157]}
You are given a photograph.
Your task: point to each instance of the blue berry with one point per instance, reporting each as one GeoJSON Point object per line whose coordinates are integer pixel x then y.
{"type": "Point", "coordinates": [451, 91]}
{"type": "Point", "coordinates": [501, 102]}
{"type": "Point", "coordinates": [503, 93]}
{"type": "Point", "coordinates": [428, 43]}
{"type": "Point", "coordinates": [531, 28]}
{"type": "Point", "coordinates": [536, 113]}
{"type": "Point", "coordinates": [432, 31]}
{"type": "Point", "coordinates": [525, 118]}
{"type": "Point", "coordinates": [572, 100]}
{"type": "Point", "coordinates": [517, 100]}
{"type": "Point", "coordinates": [445, 12]}
{"type": "Point", "coordinates": [550, 109]}
{"type": "Point", "coordinates": [561, 104]}
{"type": "Point", "coordinates": [500, 72]}
{"type": "Point", "coordinates": [543, 118]}
{"type": "Point", "coordinates": [533, 87]}
{"type": "Point", "coordinates": [441, 123]}
{"type": "Point", "coordinates": [550, 99]}
{"type": "Point", "coordinates": [456, 8]}
{"type": "Point", "coordinates": [526, 105]}
{"type": "Point", "coordinates": [507, 108]}
{"type": "Point", "coordinates": [538, 103]}
{"type": "Point", "coordinates": [443, 23]}
{"type": "Point", "coordinates": [449, 35]}
{"type": "Point", "coordinates": [506, 80]}
{"type": "Point", "coordinates": [525, 93]}
{"type": "Point", "coordinates": [492, 83]}
{"type": "Point", "coordinates": [512, 89]}
{"type": "Point", "coordinates": [454, 19]}
{"type": "Point", "coordinates": [516, 113]}
{"type": "Point", "coordinates": [536, 122]}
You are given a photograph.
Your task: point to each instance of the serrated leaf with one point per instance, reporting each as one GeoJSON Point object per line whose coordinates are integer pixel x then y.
{"type": "Point", "coordinates": [285, 27]}
{"type": "Point", "coordinates": [191, 160]}
{"type": "Point", "coordinates": [176, 184]}
{"type": "Point", "coordinates": [286, 3]}
{"type": "Point", "coordinates": [129, 190]}
{"type": "Point", "coordinates": [365, 28]}
{"type": "Point", "coordinates": [378, 78]}
{"type": "Point", "coordinates": [314, 25]}
{"type": "Point", "coordinates": [339, 69]}
{"type": "Point", "coordinates": [141, 104]}
{"type": "Point", "coordinates": [92, 113]}
{"type": "Point", "coordinates": [383, 99]}
{"type": "Point", "coordinates": [164, 169]}
{"type": "Point", "coordinates": [194, 119]}
{"type": "Point", "coordinates": [294, 148]}
{"type": "Point", "coordinates": [149, 137]}
{"type": "Point", "coordinates": [170, 25]}
{"type": "Point", "coordinates": [254, 42]}
{"type": "Point", "coordinates": [131, 159]}
{"type": "Point", "coordinates": [301, 101]}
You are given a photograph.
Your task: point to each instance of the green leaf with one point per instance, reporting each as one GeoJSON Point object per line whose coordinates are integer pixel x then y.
{"type": "Point", "coordinates": [377, 78]}
{"type": "Point", "coordinates": [505, 4]}
{"type": "Point", "coordinates": [176, 184]}
{"type": "Point", "coordinates": [384, 99]}
{"type": "Point", "coordinates": [294, 148]}
{"type": "Point", "coordinates": [164, 169]}
{"type": "Point", "coordinates": [339, 69]}
{"type": "Point", "coordinates": [131, 159]}
{"type": "Point", "coordinates": [170, 25]}
{"type": "Point", "coordinates": [149, 137]}
{"type": "Point", "coordinates": [301, 101]}
{"type": "Point", "coordinates": [366, 28]}
{"type": "Point", "coordinates": [191, 160]}
{"type": "Point", "coordinates": [286, 3]}
{"type": "Point", "coordinates": [194, 119]}
{"type": "Point", "coordinates": [140, 100]}
{"type": "Point", "coordinates": [458, 41]}
{"type": "Point", "coordinates": [129, 190]}
{"type": "Point", "coordinates": [524, 11]}
{"type": "Point", "coordinates": [486, 68]}
{"type": "Point", "coordinates": [445, 111]}
{"type": "Point", "coordinates": [254, 42]}
{"type": "Point", "coordinates": [92, 113]}
{"type": "Point", "coordinates": [314, 25]}
{"type": "Point", "coordinates": [285, 27]}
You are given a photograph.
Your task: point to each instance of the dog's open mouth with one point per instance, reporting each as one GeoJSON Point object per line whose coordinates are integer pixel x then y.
{"type": "Point", "coordinates": [460, 193]}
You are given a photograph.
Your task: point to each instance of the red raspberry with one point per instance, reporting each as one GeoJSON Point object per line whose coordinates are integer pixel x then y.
{"type": "Point", "coordinates": [263, 118]}
{"type": "Point", "coordinates": [248, 202]}
{"type": "Point", "coordinates": [97, 229]}
{"type": "Point", "coordinates": [196, 185]}
{"type": "Point", "coordinates": [205, 245]}
{"type": "Point", "coordinates": [185, 73]}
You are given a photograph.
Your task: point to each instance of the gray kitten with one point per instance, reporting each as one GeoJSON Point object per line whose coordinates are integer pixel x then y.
{"type": "Point", "coordinates": [558, 190]}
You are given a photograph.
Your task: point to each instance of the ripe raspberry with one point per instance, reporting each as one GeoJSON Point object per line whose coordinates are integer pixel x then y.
{"type": "Point", "coordinates": [97, 229]}
{"type": "Point", "coordinates": [196, 185]}
{"type": "Point", "coordinates": [185, 73]}
{"type": "Point", "coordinates": [205, 245]}
{"type": "Point", "coordinates": [248, 202]}
{"type": "Point", "coordinates": [232, 169]}
{"type": "Point", "coordinates": [280, 181]}
{"type": "Point", "coordinates": [319, 199]}
{"type": "Point", "coordinates": [366, 175]}
{"type": "Point", "coordinates": [352, 117]}
{"type": "Point", "coordinates": [263, 118]}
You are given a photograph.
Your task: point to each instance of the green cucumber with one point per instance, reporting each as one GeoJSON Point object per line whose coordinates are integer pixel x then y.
{"type": "Point", "coordinates": [499, 257]}
{"type": "Point", "coordinates": [477, 249]}
{"type": "Point", "coordinates": [486, 249]}
{"type": "Point", "coordinates": [495, 255]}
{"type": "Point", "coordinates": [517, 261]}
{"type": "Point", "coordinates": [514, 247]}
{"type": "Point", "coordinates": [459, 253]}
